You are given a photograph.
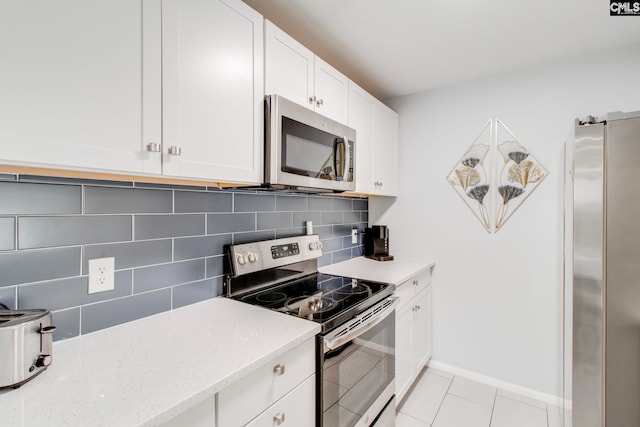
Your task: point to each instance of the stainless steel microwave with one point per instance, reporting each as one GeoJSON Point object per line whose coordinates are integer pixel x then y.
{"type": "Point", "coordinates": [306, 150]}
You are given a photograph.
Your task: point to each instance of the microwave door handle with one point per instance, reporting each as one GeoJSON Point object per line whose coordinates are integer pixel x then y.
{"type": "Point", "coordinates": [338, 158]}
{"type": "Point", "coordinates": [347, 159]}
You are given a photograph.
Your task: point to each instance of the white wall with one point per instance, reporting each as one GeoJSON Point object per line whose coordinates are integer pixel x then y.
{"type": "Point", "coordinates": [498, 298]}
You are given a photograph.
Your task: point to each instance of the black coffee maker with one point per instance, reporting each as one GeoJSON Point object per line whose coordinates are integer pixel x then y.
{"type": "Point", "coordinates": [376, 243]}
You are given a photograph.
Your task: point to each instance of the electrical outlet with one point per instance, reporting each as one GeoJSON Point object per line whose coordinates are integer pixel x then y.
{"type": "Point", "coordinates": [354, 236]}
{"type": "Point", "coordinates": [101, 272]}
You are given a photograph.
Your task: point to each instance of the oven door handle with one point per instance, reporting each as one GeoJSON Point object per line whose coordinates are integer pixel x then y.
{"type": "Point", "coordinates": [331, 342]}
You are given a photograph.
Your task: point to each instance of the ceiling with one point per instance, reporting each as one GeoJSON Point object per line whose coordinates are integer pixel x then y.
{"type": "Point", "coordinates": [397, 47]}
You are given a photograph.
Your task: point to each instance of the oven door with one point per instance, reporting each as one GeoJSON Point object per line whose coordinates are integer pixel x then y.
{"type": "Point", "coordinates": [356, 368]}
{"type": "Point", "coordinates": [306, 149]}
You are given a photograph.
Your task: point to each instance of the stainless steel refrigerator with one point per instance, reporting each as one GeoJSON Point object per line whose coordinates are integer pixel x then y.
{"type": "Point", "coordinates": [602, 272]}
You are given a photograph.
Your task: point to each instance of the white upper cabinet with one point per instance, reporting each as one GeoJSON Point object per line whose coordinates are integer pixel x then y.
{"type": "Point", "coordinates": [361, 117]}
{"type": "Point", "coordinates": [385, 147]}
{"type": "Point", "coordinates": [288, 67]}
{"type": "Point", "coordinates": [71, 85]}
{"type": "Point", "coordinates": [376, 128]}
{"type": "Point", "coordinates": [294, 72]}
{"type": "Point", "coordinates": [212, 64]}
{"type": "Point", "coordinates": [138, 86]}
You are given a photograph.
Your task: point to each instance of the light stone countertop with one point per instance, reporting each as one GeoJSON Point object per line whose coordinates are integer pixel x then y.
{"type": "Point", "coordinates": [147, 371]}
{"type": "Point", "coordinates": [396, 271]}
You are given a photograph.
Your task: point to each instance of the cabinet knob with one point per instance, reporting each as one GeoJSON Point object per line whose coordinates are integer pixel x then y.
{"type": "Point", "coordinates": [320, 102]}
{"type": "Point", "coordinates": [175, 151]}
{"type": "Point", "coordinates": [154, 147]}
{"type": "Point", "coordinates": [415, 283]}
{"type": "Point", "coordinates": [278, 418]}
{"type": "Point", "coordinates": [312, 99]}
{"type": "Point", "coordinates": [278, 369]}
{"type": "Point", "coordinates": [418, 307]}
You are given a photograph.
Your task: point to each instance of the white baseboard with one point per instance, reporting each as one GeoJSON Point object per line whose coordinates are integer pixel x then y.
{"type": "Point", "coordinates": [504, 385]}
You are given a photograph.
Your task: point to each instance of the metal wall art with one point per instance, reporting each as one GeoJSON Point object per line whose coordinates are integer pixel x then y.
{"type": "Point", "coordinates": [496, 175]}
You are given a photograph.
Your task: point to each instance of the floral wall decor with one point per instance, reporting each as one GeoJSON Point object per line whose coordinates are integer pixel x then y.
{"type": "Point", "coordinates": [495, 175]}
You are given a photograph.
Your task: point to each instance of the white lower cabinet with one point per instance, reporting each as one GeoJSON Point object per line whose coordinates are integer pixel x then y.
{"type": "Point", "coordinates": [413, 330]}
{"type": "Point", "coordinates": [280, 393]}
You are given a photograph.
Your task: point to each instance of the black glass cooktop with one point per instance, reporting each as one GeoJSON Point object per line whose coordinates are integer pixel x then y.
{"type": "Point", "coordinates": [329, 300]}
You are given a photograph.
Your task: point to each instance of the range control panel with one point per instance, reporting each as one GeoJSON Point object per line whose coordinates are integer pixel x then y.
{"type": "Point", "coordinates": [257, 256]}
{"type": "Point", "coordinates": [281, 251]}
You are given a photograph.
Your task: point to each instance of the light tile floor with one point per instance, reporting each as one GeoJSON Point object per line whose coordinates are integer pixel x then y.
{"type": "Point", "coordinates": [440, 399]}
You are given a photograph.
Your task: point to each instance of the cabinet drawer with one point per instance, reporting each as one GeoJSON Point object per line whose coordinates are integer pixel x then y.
{"type": "Point", "coordinates": [249, 396]}
{"type": "Point", "coordinates": [296, 409]}
{"type": "Point", "coordinates": [414, 285]}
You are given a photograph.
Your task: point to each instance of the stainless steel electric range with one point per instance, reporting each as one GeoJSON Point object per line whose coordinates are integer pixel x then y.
{"type": "Point", "coordinates": [355, 350]}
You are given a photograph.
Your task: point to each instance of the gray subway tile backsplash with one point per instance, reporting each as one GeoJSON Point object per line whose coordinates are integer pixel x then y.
{"type": "Point", "coordinates": [19, 198]}
{"type": "Point", "coordinates": [130, 254]}
{"type": "Point", "coordinates": [67, 293]}
{"type": "Point", "coordinates": [202, 201]}
{"type": "Point", "coordinates": [250, 237]}
{"type": "Point", "coordinates": [168, 242]}
{"type": "Point", "coordinates": [159, 226]}
{"type": "Point", "coordinates": [320, 204]}
{"type": "Point", "coordinates": [254, 202]}
{"type": "Point", "coordinates": [20, 267]}
{"type": "Point", "coordinates": [230, 223]}
{"type": "Point", "coordinates": [161, 276]}
{"type": "Point", "coordinates": [8, 296]}
{"type": "Point", "coordinates": [116, 311]}
{"type": "Point", "coordinates": [341, 204]}
{"type": "Point", "coordinates": [300, 218]}
{"type": "Point", "coordinates": [291, 203]}
{"type": "Point", "coordinates": [109, 200]}
{"type": "Point", "coordinates": [331, 218]}
{"type": "Point", "coordinates": [67, 323]}
{"type": "Point", "coordinates": [52, 231]}
{"type": "Point", "coordinates": [273, 220]}
{"type": "Point", "coordinates": [197, 291]}
{"type": "Point", "coordinates": [216, 265]}
{"type": "Point", "coordinates": [7, 233]}
{"type": "Point", "coordinates": [360, 204]}
{"type": "Point", "coordinates": [200, 247]}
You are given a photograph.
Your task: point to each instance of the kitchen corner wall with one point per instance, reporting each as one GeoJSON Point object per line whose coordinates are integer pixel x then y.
{"type": "Point", "coordinates": [497, 299]}
{"type": "Point", "coordinates": [167, 242]}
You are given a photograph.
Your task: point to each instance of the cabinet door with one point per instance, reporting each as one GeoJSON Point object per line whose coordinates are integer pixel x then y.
{"type": "Point", "coordinates": [422, 330]}
{"type": "Point", "coordinates": [212, 90]}
{"type": "Point", "coordinates": [361, 113]}
{"type": "Point", "coordinates": [332, 91]}
{"type": "Point", "coordinates": [288, 67]}
{"type": "Point", "coordinates": [404, 336]}
{"type": "Point", "coordinates": [72, 84]}
{"type": "Point", "coordinates": [385, 150]}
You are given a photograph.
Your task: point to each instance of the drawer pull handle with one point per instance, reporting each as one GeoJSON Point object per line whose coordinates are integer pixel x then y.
{"type": "Point", "coordinates": [278, 370]}
{"type": "Point", "coordinates": [154, 147]}
{"type": "Point", "coordinates": [278, 418]}
{"type": "Point", "coordinates": [175, 151]}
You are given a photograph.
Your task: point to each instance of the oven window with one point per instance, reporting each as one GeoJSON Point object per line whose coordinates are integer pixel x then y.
{"type": "Point", "coordinates": [306, 150]}
{"type": "Point", "coordinates": [357, 373]}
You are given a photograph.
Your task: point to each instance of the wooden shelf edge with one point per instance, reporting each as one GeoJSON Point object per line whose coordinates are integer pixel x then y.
{"type": "Point", "coordinates": [106, 176]}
